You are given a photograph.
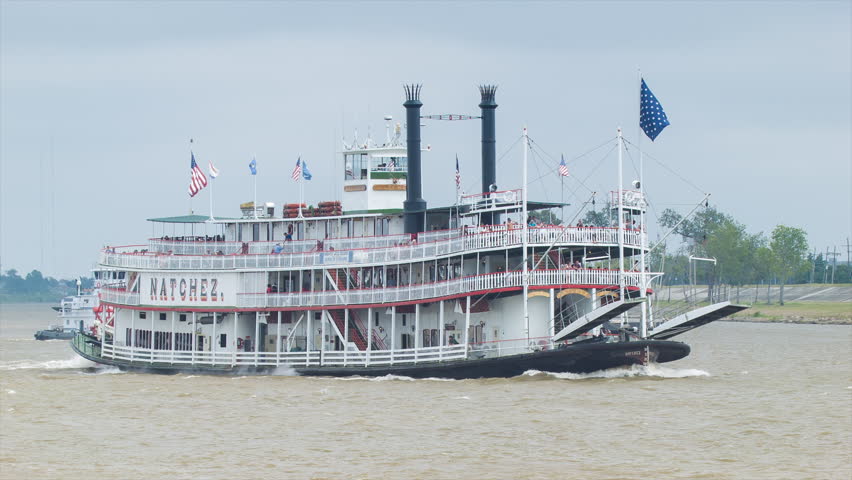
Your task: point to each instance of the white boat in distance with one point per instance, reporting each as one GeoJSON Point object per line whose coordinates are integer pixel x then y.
{"type": "Point", "coordinates": [378, 283]}
{"type": "Point", "coordinates": [75, 313]}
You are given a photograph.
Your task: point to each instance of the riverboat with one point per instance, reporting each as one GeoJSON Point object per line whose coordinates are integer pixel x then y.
{"type": "Point", "coordinates": [379, 283]}
{"type": "Point", "coordinates": [75, 313]}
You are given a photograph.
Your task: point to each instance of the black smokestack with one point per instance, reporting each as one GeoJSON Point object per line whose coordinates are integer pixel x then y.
{"type": "Point", "coordinates": [488, 105]}
{"type": "Point", "coordinates": [414, 207]}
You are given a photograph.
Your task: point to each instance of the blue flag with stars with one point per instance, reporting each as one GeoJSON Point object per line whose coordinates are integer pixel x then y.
{"type": "Point", "coordinates": [652, 118]}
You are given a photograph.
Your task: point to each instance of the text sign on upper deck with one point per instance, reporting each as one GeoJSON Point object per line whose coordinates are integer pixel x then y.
{"type": "Point", "coordinates": [203, 289]}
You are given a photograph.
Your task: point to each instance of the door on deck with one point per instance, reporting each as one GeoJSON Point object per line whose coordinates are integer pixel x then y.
{"type": "Point", "coordinates": [262, 337]}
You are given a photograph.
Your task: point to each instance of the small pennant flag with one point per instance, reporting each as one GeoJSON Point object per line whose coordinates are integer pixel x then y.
{"type": "Point", "coordinates": [253, 166]}
{"type": "Point", "coordinates": [197, 180]}
{"type": "Point", "coordinates": [563, 169]}
{"type": "Point", "coordinates": [652, 118]}
{"type": "Point", "coordinates": [213, 171]}
{"type": "Point", "coordinates": [297, 172]}
{"type": "Point", "coordinates": [392, 165]}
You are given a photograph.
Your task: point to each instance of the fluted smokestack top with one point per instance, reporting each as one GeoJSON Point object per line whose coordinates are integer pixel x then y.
{"type": "Point", "coordinates": [412, 93]}
{"type": "Point", "coordinates": [488, 93]}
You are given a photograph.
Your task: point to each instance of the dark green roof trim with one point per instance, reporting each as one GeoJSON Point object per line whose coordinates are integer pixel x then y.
{"type": "Point", "coordinates": [385, 211]}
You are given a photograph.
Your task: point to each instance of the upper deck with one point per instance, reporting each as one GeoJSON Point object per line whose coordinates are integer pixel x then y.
{"type": "Point", "coordinates": [193, 254]}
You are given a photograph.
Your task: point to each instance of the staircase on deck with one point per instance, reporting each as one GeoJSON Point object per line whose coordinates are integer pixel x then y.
{"type": "Point", "coordinates": [357, 328]}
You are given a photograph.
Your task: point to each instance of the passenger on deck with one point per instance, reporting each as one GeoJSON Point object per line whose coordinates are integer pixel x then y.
{"type": "Point", "coordinates": [277, 248]}
{"type": "Point", "coordinates": [268, 288]}
{"type": "Point", "coordinates": [288, 237]}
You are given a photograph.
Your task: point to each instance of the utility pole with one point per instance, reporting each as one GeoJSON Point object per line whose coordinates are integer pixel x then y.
{"type": "Point", "coordinates": [834, 255]}
{"type": "Point", "coordinates": [834, 264]}
{"type": "Point", "coordinates": [813, 266]}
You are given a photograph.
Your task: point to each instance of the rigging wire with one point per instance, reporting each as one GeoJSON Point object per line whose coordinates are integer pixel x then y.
{"type": "Point", "coordinates": [659, 162]}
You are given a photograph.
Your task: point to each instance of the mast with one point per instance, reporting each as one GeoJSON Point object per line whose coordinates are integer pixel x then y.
{"type": "Point", "coordinates": [643, 287]}
{"type": "Point", "coordinates": [525, 279]}
{"type": "Point", "coordinates": [620, 219]}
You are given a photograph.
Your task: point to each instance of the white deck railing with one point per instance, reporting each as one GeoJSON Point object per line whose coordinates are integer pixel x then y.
{"type": "Point", "coordinates": [476, 283]}
{"type": "Point", "coordinates": [395, 249]}
{"type": "Point", "coordinates": [403, 293]}
{"type": "Point", "coordinates": [284, 359]}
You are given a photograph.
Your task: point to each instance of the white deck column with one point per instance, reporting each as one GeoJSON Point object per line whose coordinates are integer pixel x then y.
{"type": "Point", "coordinates": [441, 329]}
{"type": "Point", "coordinates": [133, 314]}
{"type": "Point", "coordinates": [152, 338]}
{"type": "Point", "coordinates": [552, 314]}
{"type": "Point", "coordinates": [172, 340]}
{"type": "Point", "coordinates": [393, 332]}
{"type": "Point", "coordinates": [369, 332]}
{"type": "Point", "coordinates": [309, 338]}
{"type": "Point", "coordinates": [278, 341]}
{"type": "Point", "coordinates": [467, 326]}
{"type": "Point", "coordinates": [345, 334]}
{"type": "Point", "coordinates": [193, 339]}
{"type": "Point", "coordinates": [213, 342]}
{"type": "Point", "coordinates": [256, 335]}
{"type": "Point", "coordinates": [417, 340]}
{"type": "Point", "coordinates": [234, 357]}
{"type": "Point", "coordinates": [323, 321]}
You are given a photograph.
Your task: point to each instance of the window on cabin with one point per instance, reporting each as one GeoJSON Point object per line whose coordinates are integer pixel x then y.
{"type": "Point", "coordinates": [182, 317]}
{"type": "Point", "coordinates": [349, 161]}
{"type": "Point", "coordinates": [142, 314]}
{"type": "Point", "coordinates": [162, 316]}
{"type": "Point", "coordinates": [223, 340]}
{"type": "Point", "coordinates": [377, 318]}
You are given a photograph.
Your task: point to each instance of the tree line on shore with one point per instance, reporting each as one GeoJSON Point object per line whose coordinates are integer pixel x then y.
{"type": "Point", "coordinates": [741, 258]}
{"type": "Point", "coordinates": [35, 287]}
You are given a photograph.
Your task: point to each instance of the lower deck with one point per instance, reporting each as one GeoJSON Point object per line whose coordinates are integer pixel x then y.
{"type": "Point", "coordinates": [472, 327]}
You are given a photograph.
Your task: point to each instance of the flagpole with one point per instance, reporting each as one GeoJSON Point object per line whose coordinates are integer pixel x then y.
{"type": "Point", "coordinates": [190, 156]}
{"type": "Point", "coordinates": [526, 280]}
{"type": "Point", "coordinates": [211, 198]}
{"type": "Point", "coordinates": [643, 287]}
{"type": "Point", "coordinates": [301, 185]}
{"type": "Point", "coordinates": [562, 198]}
{"type": "Point", "coordinates": [620, 221]}
{"type": "Point", "coordinates": [254, 201]}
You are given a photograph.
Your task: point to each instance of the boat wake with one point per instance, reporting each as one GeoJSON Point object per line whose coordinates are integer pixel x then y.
{"type": "Point", "coordinates": [73, 363]}
{"type": "Point", "coordinates": [633, 371]}
{"type": "Point", "coordinates": [394, 378]}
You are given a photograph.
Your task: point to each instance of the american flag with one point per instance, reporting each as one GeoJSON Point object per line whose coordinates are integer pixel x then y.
{"type": "Point", "coordinates": [197, 179]}
{"type": "Point", "coordinates": [563, 169]}
{"type": "Point", "coordinates": [458, 174]}
{"type": "Point", "coordinates": [392, 165]}
{"type": "Point", "coordinates": [652, 118]}
{"type": "Point", "coordinates": [297, 172]}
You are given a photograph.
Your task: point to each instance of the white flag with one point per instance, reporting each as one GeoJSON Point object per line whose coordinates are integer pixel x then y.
{"type": "Point", "coordinates": [213, 171]}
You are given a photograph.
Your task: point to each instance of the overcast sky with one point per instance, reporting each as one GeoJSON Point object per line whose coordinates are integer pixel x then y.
{"type": "Point", "coordinates": [98, 101]}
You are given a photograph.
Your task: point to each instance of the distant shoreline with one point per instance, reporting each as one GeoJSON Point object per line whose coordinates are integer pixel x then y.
{"type": "Point", "coordinates": [792, 320]}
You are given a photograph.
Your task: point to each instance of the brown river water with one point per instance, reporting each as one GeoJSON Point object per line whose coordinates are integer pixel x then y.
{"type": "Point", "coordinates": [753, 401]}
